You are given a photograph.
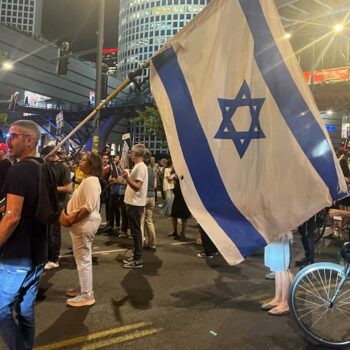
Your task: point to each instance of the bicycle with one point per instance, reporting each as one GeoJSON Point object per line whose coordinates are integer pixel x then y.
{"type": "Point", "coordinates": [319, 301]}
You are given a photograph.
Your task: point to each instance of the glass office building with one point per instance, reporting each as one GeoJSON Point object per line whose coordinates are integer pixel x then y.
{"type": "Point", "coordinates": [24, 15]}
{"type": "Point", "coordinates": [145, 25]}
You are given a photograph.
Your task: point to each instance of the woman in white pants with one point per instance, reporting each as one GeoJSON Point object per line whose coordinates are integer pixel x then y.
{"type": "Point", "coordinates": [84, 219]}
{"type": "Point", "coordinates": [168, 186]}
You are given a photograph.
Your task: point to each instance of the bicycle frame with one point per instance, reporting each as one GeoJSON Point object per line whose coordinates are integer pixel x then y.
{"type": "Point", "coordinates": [344, 277]}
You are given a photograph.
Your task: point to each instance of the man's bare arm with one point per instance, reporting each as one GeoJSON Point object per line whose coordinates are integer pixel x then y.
{"type": "Point", "coordinates": [67, 188]}
{"type": "Point", "coordinates": [134, 184]}
{"type": "Point", "coordinates": [11, 218]}
{"type": "Point", "coordinates": [339, 212]}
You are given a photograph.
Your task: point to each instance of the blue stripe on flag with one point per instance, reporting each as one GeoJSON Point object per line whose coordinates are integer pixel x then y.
{"type": "Point", "coordinates": [290, 101]}
{"type": "Point", "coordinates": [199, 159]}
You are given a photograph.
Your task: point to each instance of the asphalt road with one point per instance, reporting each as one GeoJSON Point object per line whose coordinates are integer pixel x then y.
{"type": "Point", "coordinates": [177, 301]}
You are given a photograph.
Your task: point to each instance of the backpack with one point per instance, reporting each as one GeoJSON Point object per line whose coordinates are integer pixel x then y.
{"type": "Point", "coordinates": [47, 210]}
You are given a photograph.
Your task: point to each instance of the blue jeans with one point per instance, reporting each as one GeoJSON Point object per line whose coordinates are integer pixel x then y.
{"type": "Point", "coordinates": [18, 288]}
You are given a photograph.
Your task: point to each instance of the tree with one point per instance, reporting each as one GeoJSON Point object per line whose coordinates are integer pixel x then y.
{"type": "Point", "coordinates": [3, 124]}
{"type": "Point", "coordinates": [3, 120]}
{"type": "Point", "coordinates": [3, 56]}
{"type": "Point", "coordinates": [152, 121]}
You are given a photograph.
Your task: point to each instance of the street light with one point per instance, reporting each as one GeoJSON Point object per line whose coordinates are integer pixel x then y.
{"type": "Point", "coordinates": [339, 27]}
{"type": "Point", "coordinates": [8, 66]}
{"type": "Point", "coordinates": [100, 38]}
{"type": "Point", "coordinates": [287, 35]}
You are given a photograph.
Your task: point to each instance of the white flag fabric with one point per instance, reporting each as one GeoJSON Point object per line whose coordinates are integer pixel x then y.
{"type": "Point", "coordinates": [242, 126]}
{"type": "Point", "coordinates": [124, 160]}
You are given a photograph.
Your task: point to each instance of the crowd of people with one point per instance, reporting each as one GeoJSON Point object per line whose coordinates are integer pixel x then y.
{"type": "Point", "coordinates": [128, 190]}
{"type": "Point", "coordinates": [82, 184]}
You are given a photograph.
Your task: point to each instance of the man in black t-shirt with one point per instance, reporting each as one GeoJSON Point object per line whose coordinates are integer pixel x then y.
{"type": "Point", "coordinates": [23, 240]}
{"type": "Point", "coordinates": [5, 165]}
{"type": "Point", "coordinates": [64, 188]}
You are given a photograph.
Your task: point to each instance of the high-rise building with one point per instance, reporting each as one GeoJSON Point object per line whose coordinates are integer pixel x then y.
{"type": "Point", "coordinates": [24, 15]}
{"type": "Point", "coordinates": [145, 25]}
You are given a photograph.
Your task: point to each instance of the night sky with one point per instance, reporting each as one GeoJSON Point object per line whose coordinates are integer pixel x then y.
{"type": "Point", "coordinates": [75, 21]}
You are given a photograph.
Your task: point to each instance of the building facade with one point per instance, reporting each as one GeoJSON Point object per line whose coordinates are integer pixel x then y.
{"type": "Point", "coordinates": [23, 15]}
{"type": "Point", "coordinates": [149, 139]}
{"type": "Point", "coordinates": [144, 27]}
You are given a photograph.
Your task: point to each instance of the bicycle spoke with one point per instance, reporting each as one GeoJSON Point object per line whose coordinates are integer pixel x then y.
{"type": "Point", "coordinates": [325, 278]}
{"type": "Point", "coordinates": [313, 310]}
{"type": "Point", "coordinates": [330, 279]}
{"type": "Point", "coordinates": [308, 307]}
{"type": "Point", "coordinates": [344, 301]}
{"type": "Point", "coordinates": [342, 310]}
{"type": "Point", "coordinates": [314, 324]}
{"type": "Point", "coordinates": [314, 286]}
{"type": "Point", "coordinates": [313, 294]}
{"type": "Point", "coordinates": [324, 287]}
{"type": "Point", "coordinates": [308, 301]}
{"type": "Point", "coordinates": [340, 295]}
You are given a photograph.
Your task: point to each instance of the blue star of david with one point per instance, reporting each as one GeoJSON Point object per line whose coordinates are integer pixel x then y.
{"type": "Point", "coordinates": [227, 130]}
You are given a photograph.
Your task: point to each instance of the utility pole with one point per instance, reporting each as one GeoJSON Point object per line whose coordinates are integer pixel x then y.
{"type": "Point", "coordinates": [100, 37]}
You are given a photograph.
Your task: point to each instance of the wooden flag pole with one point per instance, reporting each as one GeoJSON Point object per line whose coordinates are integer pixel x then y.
{"type": "Point", "coordinates": [131, 77]}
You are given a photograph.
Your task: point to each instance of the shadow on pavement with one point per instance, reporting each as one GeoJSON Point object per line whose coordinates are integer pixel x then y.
{"type": "Point", "coordinates": [222, 294]}
{"type": "Point", "coordinates": [45, 285]}
{"type": "Point", "coordinates": [69, 325]}
{"type": "Point", "coordinates": [139, 292]}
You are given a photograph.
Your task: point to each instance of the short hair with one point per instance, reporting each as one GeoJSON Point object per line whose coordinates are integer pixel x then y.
{"type": "Point", "coordinates": [147, 155]}
{"type": "Point", "coordinates": [95, 162]}
{"type": "Point", "coordinates": [47, 149]}
{"type": "Point", "coordinates": [29, 125]}
{"type": "Point", "coordinates": [138, 149]}
{"type": "Point", "coordinates": [169, 163]}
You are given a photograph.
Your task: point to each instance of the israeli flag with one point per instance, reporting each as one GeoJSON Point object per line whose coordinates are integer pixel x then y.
{"type": "Point", "coordinates": [243, 128]}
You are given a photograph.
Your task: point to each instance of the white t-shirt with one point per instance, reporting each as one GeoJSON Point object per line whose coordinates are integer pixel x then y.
{"type": "Point", "coordinates": [166, 184]}
{"type": "Point", "coordinates": [87, 196]}
{"type": "Point", "coordinates": [139, 198]}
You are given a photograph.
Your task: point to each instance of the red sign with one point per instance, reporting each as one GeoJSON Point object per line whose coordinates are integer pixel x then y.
{"type": "Point", "coordinates": [331, 75]}
{"type": "Point", "coordinates": [114, 50]}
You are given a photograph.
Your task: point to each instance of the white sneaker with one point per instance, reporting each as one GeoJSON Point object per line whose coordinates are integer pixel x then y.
{"type": "Point", "coordinates": [86, 299]}
{"type": "Point", "coordinates": [50, 265]}
{"type": "Point", "coordinates": [127, 260]}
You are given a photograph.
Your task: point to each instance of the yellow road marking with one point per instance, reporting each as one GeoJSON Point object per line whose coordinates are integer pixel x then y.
{"type": "Point", "coordinates": [98, 252]}
{"type": "Point", "coordinates": [182, 243]}
{"type": "Point", "coordinates": [121, 339]}
{"type": "Point", "coordinates": [93, 336]}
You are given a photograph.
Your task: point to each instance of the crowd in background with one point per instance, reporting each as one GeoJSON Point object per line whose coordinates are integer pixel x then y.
{"type": "Point", "coordinates": [128, 189]}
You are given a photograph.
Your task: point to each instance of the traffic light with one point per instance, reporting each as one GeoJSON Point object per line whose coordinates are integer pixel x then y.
{"type": "Point", "coordinates": [62, 62]}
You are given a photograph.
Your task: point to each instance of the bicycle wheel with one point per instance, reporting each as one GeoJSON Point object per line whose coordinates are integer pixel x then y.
{"type": "Point", "coordinates": [310, 292]}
